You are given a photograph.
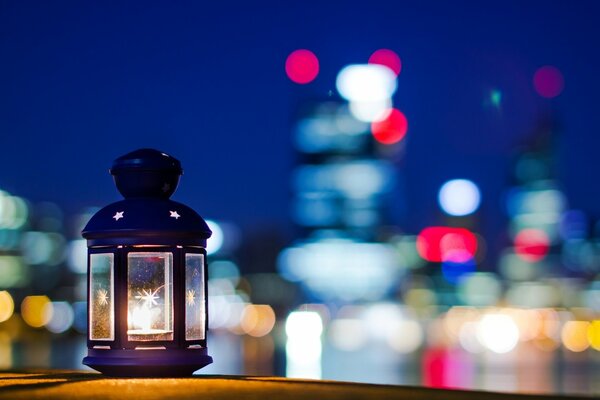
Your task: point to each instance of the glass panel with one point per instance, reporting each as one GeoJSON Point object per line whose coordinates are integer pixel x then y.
{"type": "Point", "coordinates": [150, 296]}
{"type": "Point", "coordinates": [101, 307]}
{"type": "Point", "coordinates": [195, 306]}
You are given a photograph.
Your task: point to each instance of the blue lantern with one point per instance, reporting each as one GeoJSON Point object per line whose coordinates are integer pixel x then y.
{"type": "Point", "coordinates": [147, 271]}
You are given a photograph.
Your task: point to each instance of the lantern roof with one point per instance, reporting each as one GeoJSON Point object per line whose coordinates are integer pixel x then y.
{"type": "Point", "coordinates": [146, 159]}
{"type": "Point", "coordinates": [146, 178]}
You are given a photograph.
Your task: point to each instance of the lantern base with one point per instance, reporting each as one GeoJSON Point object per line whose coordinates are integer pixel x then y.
{"type": "Point", "coordinates": [147, 362]}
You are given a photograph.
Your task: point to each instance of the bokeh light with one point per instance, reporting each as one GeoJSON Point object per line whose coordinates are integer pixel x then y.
{"type": "Point", "coordinates": [532, 244]}
{"type": "Point", "coordinates": [7, 305]}
{"type": "Point", "coordinates": [594, 334]}
{"type": "Point", "coordinates": [46, 248]}
{"type": "Point", "coordinates": [546, 199]}
{"type": "Point", "coordinates": [36, 310]}
{"type": "Point", "coordinates": [548, 334]}
{"type": "Point", "coordinates": [480, 289]}
{"type": "Point", "coordinates": [441, 243]}
{"type": "Point", "coordinates": [420, 298]}
{"type": "Point", "coordinates": [62, 317]}
{"type": "Point", "coordinates": [302, 66]}
{"type": "Point", "coordinates": [13, 211]}
{"type": "Point", "coordinates": [13, 272]}
{"type": "Point", "coordinates": [302, 324]}
{"type": "Point", "coordinates": [381, 320]}
{"type": "Point", "coordinates": [257, 319]}
{"type": "Point", "coordinates": [574, 335]}
{"type": "Point", "coordinates": [458, 247]}
{"type": "Point", "coordinates": [529, 322]}
{"type": "Point", "coordinates": [454, 271]}
{"type": "Point", "coordinates": [456, 317]}
{"type": "Point", "coordinates": [387, 58]}
{"type": "Point", "coordinates": [496, 98]}
{"type": "Point", "coordinates": [459, 197]}
{"type": "Point", "coordinates": [9, 239]}
{"type": "Point", "coordinates": [347, 334]}
{"type": "Point", "coordinates": [498, 333]}
{"type": "Point", "coordinates": [512, 267]}
{"type": "Point", "coordinates": [303, 348]}
{"type": "Point", "coordinates": [467, 337]}
{"type": "Point", "coordinates": [224, 269]}
{"type": "Point", "coordinates": [371, 111]}
{"type": "Point", "coordinates": [407, 246]}
{"type": "Point", "coordinates": [548, 81]}
{"type": "Point", "coordinates": [215, 242]}
{"type": "Point", "coordinates": [366, 83]}
{"type": "Point", "coordinates": [406, 336]}
{"type": "Point", "coordinates": [77, 256]}
{"type": "Point", "coordinates": [225, 306]}
{"type": "Point", "coordinates": [392, 129]}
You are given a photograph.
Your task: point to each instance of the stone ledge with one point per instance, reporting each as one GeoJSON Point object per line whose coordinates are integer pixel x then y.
{"type": "Point", "coordinates": [63, 385]}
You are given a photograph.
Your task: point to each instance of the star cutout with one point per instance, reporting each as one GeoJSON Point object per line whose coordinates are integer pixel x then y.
{"type": "Point", "coordinates": [102, 296]}
{"type": "Point", "coordinates": [166, 187]}
{"type": "Point", "coordinates": [118, 215]}
{"type": "Point", "coordinates": [149, 297]}
{"type": "Point", "coordinates": [190, 297]}
{"type": "Point", "coordinates": [174, 214]}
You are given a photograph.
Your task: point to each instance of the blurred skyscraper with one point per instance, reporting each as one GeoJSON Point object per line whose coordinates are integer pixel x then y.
{"type": "Point", "coordinates": [341, 187]}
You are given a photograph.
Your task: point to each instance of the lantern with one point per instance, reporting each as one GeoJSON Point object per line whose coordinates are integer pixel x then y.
{"type": "Point", "coordinates": [147, 301]}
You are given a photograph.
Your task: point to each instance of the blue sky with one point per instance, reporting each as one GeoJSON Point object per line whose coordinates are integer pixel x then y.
{"type": "Point", "coordinates": [84, 82]}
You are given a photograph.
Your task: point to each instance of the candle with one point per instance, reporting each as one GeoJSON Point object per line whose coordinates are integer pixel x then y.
{"type": "Point", "coordinates": [141, 319]}
{"type": "Point", "coordinates": [145, 317]}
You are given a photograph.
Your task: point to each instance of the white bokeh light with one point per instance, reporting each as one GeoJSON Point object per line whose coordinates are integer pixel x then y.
{"type": "Point", "coordinates": [303, 347]}
{"type": "Point", "coordinates": [62, 317]}
{"type": "Point", "coordinates": [303, 324]}
{"type": "Point", "coordinates": [215, 242]}
{"type": "Point", "coordinates": [371, 111]}
{"type": "Point", "coordinates": [366, 83]}
{"type": "Point", "coordinates": [498, 333]}
{"type": "Point", "coordinates": [459, 197]}
{"type": "Point", "coordinates": [77, 256]}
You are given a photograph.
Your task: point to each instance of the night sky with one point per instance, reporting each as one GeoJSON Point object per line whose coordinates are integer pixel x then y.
{"type": "Point", "coordinates": [84, 82]}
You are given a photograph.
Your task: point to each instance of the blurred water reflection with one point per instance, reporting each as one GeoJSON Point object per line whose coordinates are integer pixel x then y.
{"type": "Point", "coordinates": [527, 369]}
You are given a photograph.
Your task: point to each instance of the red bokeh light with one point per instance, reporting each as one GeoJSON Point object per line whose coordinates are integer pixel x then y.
{"type": "Point", "coordinates": [441, 243]}
{"type": "Point", "coordinates": [548, 81]}
{"type": "Point", "coordinates": [388, 58]}
{"type": "Point", "coordinates": [434, 367]}
{"type": "Point", "coordinates": [302, 66]}
{"type": "Point", "coordinates": [532, 244]}
{"type": "Point", "coordinates": [447, 368]}
{"type": "Point", "coordinates": [392, 129]}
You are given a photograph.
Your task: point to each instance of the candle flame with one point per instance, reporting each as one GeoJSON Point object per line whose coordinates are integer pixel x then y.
{"type": "Point", "coordinates": [141, 318]}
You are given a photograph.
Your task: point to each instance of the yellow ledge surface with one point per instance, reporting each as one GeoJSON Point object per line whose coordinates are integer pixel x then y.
{"type": "Point", "coordinates": [56, 384]}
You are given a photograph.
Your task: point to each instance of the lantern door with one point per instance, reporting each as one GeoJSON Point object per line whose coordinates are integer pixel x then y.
{"type": "Point", "coordinates": [195, 298]}
{"type": "Point", "coordinates": [101, 297]}
{"type": "Point", "coordinates": [150, 307]}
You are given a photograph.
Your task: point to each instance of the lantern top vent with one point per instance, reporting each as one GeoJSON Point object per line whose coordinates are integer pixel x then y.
{"type": "Point", "coordinates": [146, 178]}
{"type": "Point", "coordinates": [146, 173]}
